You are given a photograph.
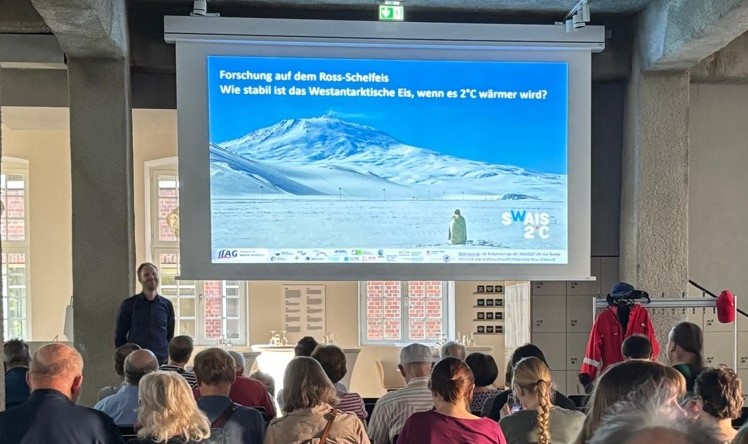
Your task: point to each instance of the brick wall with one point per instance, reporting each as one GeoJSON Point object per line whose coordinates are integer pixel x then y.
{"type": "Point", "coordinates": [13, 223]}
{"type": "Point", "coordinates": [15, 206]}
{"type": "Point", "coordinates": [384, 310]}
{"type": "Point", "coordinates": [14, 258]}
{"type": "Point", "coordinates": [165, 206]}
{"type": "Point", "coordinates": [212, 309]}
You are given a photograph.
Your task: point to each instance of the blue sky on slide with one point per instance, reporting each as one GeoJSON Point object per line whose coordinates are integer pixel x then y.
{"type": "Point", "coordinates": [528, 133]}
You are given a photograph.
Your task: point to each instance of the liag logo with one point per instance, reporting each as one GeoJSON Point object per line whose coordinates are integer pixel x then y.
{"type": "Point", "coordinates": [226, 254]}
{"type": "Point", "coordinates": [536, 224]}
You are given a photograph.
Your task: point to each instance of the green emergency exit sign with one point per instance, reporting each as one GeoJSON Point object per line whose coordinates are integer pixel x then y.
{"type": "Point", "coordinates": [391, 13]}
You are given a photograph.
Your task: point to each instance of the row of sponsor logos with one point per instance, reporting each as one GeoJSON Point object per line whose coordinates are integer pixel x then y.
{"type": "Point", "coordinates": [238, 255]}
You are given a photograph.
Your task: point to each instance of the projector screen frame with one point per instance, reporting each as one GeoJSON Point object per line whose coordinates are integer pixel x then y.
{"type": "Point", "coordinates": [197, 38]}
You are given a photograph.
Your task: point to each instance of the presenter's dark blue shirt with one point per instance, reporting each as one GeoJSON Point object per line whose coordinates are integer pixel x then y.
{"type": "Point", "coordinates": [50, 417]}
{"type": "Point", "coordinates": [16, 388]}
{"type": "Point", "coordinates": [150, 324]}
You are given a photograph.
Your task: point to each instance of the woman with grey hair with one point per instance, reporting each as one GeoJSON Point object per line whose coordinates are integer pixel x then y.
{"type": "Point", "coordinates": [308, 415]}
{"type": "Point", "coordinates": [634, 421]}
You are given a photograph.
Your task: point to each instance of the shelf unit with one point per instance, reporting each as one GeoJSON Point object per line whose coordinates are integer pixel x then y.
{"type": "Point", "coordinates": [496, 309]}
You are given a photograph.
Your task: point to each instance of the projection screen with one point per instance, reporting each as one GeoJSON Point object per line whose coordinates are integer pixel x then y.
{"type": "Point", "coordinates": [335, 150]}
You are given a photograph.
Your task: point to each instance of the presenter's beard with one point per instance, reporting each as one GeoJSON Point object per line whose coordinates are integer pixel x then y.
{"type": "Point", "coordinates": [151, 285]}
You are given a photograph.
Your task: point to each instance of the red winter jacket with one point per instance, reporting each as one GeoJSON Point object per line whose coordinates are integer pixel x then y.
{"type": "Point", "coordinates": [607, 335]}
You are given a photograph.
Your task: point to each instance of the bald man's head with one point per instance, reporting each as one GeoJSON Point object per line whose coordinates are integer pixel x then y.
{"type": "Point", "coordinates": [138, 364]}
{"type": "Point", "coordinates": [58, 367]}
{"type": "Point", "coordinates": [56, 361]}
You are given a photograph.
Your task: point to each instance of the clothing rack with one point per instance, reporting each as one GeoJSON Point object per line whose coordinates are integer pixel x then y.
{"type": "Point", "coordinates": [677, 304]}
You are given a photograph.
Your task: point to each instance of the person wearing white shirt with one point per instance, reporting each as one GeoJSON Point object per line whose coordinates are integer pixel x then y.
{"type": "Point", "coordinates": [393, 409]}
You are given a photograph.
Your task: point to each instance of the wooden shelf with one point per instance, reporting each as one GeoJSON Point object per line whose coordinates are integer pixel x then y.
{"type": "Point", "coordinates": [481, 320]}
{"type": "Point", "coordinates": [488, 306]}
{"type": "Point", "coordinates": [485, 292]}
{"type": "Point", "coordinates": [488, 334]}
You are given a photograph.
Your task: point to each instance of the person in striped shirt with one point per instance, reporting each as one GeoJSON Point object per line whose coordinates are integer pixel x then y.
{"type": "Point", "coordinates": [393, 409]}
{"type": "Point", "coordinates": [332, 360]}
{"type": "Point", "coordinates": [180, 350]}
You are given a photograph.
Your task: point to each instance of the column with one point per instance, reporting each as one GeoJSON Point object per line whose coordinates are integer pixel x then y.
{"type": "Point", "coordinates": [654, 200]}
{"type": "Point", "coordinates": [103, 218]}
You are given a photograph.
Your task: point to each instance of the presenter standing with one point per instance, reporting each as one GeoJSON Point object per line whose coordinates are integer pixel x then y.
{"type": "Point", "coordinates": [146, 319]}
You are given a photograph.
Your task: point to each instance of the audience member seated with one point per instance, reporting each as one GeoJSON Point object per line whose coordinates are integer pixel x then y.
{"type": "Point", "coordinates": [332, 360]}
{"type": "Point", "coordinates": [394, 408]}
{"type": "Point", "coordinates": [652, 420]}
{"type": "Point", "coordinates": [524, 351]}
{"type": "Point", "coordinates": [637, 347]}
{"type": "Point", "coordinates": [453, 349]}
{"type": "Point", "coordinates": [168, 412]}
{"type": "Point", "coordinates": [635, 380]}
{"type": "Point", "coordinates": [451, 385]}
{"type": "Point", "coordinates": [539, 421]}
{"type": "Point", "coordinates": [266, 380]}
{"type": "Point", "coordinates": [676, 381]}
{"type": "Point", "coordinates": [305, 347]}
{"type": "Point", "coordinates": [308, 413]}
{"type": "Point", "coordinates": [180, 350]}
{"type": "Point", "coordinates": [119, 367]}
{"type": "Point", "coordinates": [16, 359]}
{"type": "Point", "coordinates": [247, 391]}
{"type": "Point", "coordinates": [719, 399]}
{"type": "Point", "coordinates": [216, 371]}
{"type": "Point", "coordinates": [250, 392]}
{"type": "Point", "coordinates": [50, 414]}
{"type": "Point", "coordinates": [485, 371]}
{"type": "Point", "coordinates": [685, 349]}
{"type": "Point", "coordinates": [123, 405]}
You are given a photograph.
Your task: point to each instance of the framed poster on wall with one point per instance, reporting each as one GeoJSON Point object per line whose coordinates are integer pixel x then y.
{"type": "Point", "coordinates": [303, 311]}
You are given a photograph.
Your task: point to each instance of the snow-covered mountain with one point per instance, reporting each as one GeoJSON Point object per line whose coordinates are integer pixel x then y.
{"type": "Point", "coordinates": [310, 140]}
{"type": "Point", "coordinates": [329, 156]}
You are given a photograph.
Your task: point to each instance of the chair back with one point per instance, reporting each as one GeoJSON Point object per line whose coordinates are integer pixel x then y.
{"type": "Point", "coordinates": [369, 404]}
{"type": "Point", "coordinates": [127, 432]}
{"type": "Point", "coordinates": [389, 375]}
{"type": "Point", "coordinates": [580, 401]}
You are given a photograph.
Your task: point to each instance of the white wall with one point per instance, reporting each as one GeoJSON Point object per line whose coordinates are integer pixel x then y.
{"type": "Point", "coordinates": [717, 235]}
{"type": "Point", "coordinates": [718, 184]}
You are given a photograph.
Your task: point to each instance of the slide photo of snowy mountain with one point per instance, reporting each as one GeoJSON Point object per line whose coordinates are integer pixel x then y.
{"type": "Point", "coordinates": [332, 160]}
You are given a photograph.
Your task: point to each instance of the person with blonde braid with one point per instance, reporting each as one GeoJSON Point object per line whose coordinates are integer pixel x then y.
{"type": "Point", "coordinates": [539, 421]}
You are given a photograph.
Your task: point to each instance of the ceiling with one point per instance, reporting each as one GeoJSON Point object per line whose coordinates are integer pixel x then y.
{"type": "Point", "coordinates": [23, 118]}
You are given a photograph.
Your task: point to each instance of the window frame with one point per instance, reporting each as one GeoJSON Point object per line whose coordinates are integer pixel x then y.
{"type": "Point", "coordinates": [448, 315]}
{"type": "Point", "coordinates": [20, 167]}
{"type": "Point", "coordinates": [156, 247]}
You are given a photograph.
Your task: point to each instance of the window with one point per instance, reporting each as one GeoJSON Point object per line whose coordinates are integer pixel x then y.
{"type": "Point", "coordinates": [208, 311]}
{"type": "Point", "coordinates": [14, 226]}
{"type": "Point", "coordinates": [395, 312]}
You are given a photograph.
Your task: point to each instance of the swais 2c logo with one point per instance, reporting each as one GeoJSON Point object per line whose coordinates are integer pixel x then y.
{"type": "Point", "coordinates": [536, 224]}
